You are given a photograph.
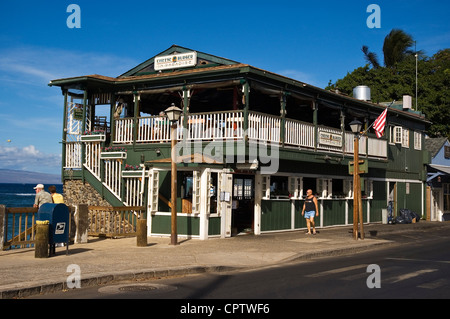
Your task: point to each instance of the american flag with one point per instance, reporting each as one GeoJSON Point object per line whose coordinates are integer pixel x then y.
{"type": "Point", "coordinates": [379, 124]}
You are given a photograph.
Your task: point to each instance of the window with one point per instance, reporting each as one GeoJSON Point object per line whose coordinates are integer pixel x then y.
{"type": "Point", "coordinates": [367, 192]}
{"type": "Point", "coordinates": [398, 132]}
{"type": "Point", "coordinates": [405, 138]}
{"type": "Point", "coordinates": [446, 188]}
{"type": "Point", "coordinates": [338, 188]}
{"type": "Point", "coordinates": [279, 187]}
{"type": "Point", "coordinates": [310, 183]}
{"type": "Point", "coordinates": [325, 187]}
{"type": "Point", "coordinates": [348, 188]}
{"type": "Point", "coordinates": [243, 188]}
{"type": "Point", "coordinates": [265, 187]}
{"type": "Point", "coordinates": [295, 187]}
{"type": "Point", "coordinates": [417, 140]}
{"type": "Point", "coordinates": [153, 190]}
{"type": "Point", "coordinates": [447, 151]}
{"type": "Point", "coordinates": [196, 192]}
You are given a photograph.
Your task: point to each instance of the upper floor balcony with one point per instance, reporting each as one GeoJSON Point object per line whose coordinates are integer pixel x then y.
{"type": "Point", "coordinates": [230, 125]}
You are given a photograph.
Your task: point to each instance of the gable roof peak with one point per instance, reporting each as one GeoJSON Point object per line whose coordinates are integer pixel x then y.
{"type": "Point", "coordinates": [203, 60]}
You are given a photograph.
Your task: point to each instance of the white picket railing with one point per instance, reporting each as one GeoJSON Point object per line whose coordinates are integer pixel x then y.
{"type": "Point", "coordinates": [153, 129]}
{"type": "Point", "coordinates": [92, 158]}
{"type": "Point", "coordinates": [113, 176]}
{"type": "Point", "coordinates": [215, 125]}
{"type": "Point", "coordinates": [73, 155]}
{"type": "Point", "coordinates": [133, 194]}
{"type": "Point", "coordinates": [299, 134]}
{"type": "Point", "coordinates": [263, 127]}
{"type": "Point", "coordinates": [124, 131]}
{"type": "Point", "coordinates": [200, 126]}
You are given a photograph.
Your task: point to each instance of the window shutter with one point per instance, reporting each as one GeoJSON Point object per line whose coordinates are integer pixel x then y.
{"type": "Point", "coordinates": [196, 192]}
{"type": "Point", "coordinates": [153, 190]}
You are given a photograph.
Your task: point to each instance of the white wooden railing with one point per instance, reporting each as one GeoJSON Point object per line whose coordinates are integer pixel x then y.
{"type": "Point", "coordinates": [113, 176]}
{"type": "Point", "coordinates": [153, 129]}
{"type": "Point", "coordinates": [133, 191]}
{"type": "Point", "coordinates": [73, 155]}
{"type": "Point", "coordinates": [124, 131]}
{"type": "Point", "coordinates": [92, 158]}
{"type": "Point", "coordinates": [299, 134]}
{"type": "Point", "coordinates": [263, 127]}
{"type": "Point", "coordinates": [215, 125]}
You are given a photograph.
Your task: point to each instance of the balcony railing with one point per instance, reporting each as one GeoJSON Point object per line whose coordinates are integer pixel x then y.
{"type": "Point", "coordinates": [261, 127]}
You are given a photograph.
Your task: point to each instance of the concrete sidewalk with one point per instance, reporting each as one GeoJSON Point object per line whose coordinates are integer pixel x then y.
{"type": "Point", "coordinates": [103, 261]}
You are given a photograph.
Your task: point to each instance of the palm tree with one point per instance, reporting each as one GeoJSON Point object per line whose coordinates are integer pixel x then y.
{"type": "Point", "coordinates": [395, 49]}
{"type": "Point", "coordinates": [371, 57]}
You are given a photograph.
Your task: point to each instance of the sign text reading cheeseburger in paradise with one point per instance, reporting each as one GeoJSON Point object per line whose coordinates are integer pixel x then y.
{"type": "Point", "coordinates": [175, 61]}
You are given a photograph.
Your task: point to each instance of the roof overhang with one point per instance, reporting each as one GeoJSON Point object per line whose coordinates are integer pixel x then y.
{"type": "Point", "coordinates": [185, 77]}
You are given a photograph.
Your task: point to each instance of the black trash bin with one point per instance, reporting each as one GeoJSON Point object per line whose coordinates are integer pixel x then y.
{"type": "Point", "coordinates": [59, 220]}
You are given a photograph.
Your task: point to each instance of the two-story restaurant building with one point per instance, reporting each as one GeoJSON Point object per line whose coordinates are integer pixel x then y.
{"type": "Point", "coordinates": [250, 143]}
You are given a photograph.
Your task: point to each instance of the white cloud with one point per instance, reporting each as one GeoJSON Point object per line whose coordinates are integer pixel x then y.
{"type": "Point", "coordinates": [300, 76]}
{"type": "Point", "coordinates": [29, 158]}
{"type": "Point", "coordinates": [45, 64]}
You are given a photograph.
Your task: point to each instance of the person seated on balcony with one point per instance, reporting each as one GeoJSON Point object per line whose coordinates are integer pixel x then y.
{"type": "Point", "coordinates": [42, 196]}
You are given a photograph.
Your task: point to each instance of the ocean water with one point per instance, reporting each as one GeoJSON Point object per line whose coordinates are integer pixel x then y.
{"type": "Point", "coordinates": [19, 195]}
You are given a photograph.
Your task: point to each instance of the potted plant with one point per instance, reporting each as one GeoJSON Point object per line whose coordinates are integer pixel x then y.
{"type": "Point", "coordinates": [113, 152]}
{"type": "Point", "coordinates": [93, 136]}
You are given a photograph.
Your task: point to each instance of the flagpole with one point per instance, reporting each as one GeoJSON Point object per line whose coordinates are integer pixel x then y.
{"type": "Point", "coordinates": [363, 133]}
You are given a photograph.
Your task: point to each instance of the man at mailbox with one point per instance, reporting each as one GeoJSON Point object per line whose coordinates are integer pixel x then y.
{"type": "Point", "coordinates": [42, 196]}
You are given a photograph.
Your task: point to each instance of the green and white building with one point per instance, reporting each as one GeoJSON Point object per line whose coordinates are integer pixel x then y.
{"type": "Point", "coordinates": [250, 143]}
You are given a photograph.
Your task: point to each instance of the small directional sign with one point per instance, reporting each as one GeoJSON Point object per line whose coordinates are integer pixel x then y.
{"type": "Point", "coordinates": [363, 167]}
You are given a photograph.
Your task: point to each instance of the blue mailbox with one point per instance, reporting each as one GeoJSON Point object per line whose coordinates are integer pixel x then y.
{"type": "Point", "coordinates": [59, 220]}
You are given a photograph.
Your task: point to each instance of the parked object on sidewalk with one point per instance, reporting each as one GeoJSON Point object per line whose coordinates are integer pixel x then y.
{"type": "Point", "coordinates": [407, 216]}
{"type": "Point", "coordinates": [59, 220]}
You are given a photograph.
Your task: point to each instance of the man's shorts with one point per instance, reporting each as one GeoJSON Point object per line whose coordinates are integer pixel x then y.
{"type": "Point", "coordinates": [310, 214]}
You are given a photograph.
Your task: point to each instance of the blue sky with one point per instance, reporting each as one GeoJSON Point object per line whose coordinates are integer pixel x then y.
{"type": "Point", "coordinates": [314, 42]}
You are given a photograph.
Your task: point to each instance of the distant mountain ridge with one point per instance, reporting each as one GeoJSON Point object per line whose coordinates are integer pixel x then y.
{"type": "Point", "coordinates": [26, 177]}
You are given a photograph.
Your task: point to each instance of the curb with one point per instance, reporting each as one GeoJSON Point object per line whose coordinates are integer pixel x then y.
{"type": "Point", "coordinates": [99, 280]}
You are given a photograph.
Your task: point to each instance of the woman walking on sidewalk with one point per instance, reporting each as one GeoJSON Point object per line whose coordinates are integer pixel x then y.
{"type": "Point", "coordinates": [310, 209]}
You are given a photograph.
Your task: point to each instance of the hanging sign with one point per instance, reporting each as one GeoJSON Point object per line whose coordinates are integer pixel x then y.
{"type": "Point", "coordinates": [78, 113]}
{"type": "Point", "coordinates": [175, 61]}
{"type": "Point", "coordinates": [330, 139]}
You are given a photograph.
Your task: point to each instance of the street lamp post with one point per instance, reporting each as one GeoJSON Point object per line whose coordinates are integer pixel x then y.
{"type": "Point", "coordinates": [173, 114]}
{"type": "Point", "coordinates": [357, 211]}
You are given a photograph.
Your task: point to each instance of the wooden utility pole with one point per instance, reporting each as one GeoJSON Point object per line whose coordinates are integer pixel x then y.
{"type": "Point", "coordinates": [357, 201]}
{"type": "Point", "coordinates": [356, 186]}
{"type": "Point", "coordinates": [173, 232]}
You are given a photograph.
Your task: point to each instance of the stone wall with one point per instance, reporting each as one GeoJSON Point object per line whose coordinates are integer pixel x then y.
{"type": "Point", "coordinates": [76, 192]}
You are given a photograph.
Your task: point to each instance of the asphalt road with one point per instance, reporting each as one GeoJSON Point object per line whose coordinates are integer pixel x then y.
{"type": "Point", "coordinates": [416, 267]}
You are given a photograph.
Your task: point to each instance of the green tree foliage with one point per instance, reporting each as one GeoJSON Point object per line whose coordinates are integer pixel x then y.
{"type": "Point", "coordinates": [391, 82]}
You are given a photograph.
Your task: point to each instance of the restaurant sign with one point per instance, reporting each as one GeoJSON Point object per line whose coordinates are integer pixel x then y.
{"type": "Point", "coordinates": [330, 139]}
{"type": "Point", "coordinates": [175, 61]}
